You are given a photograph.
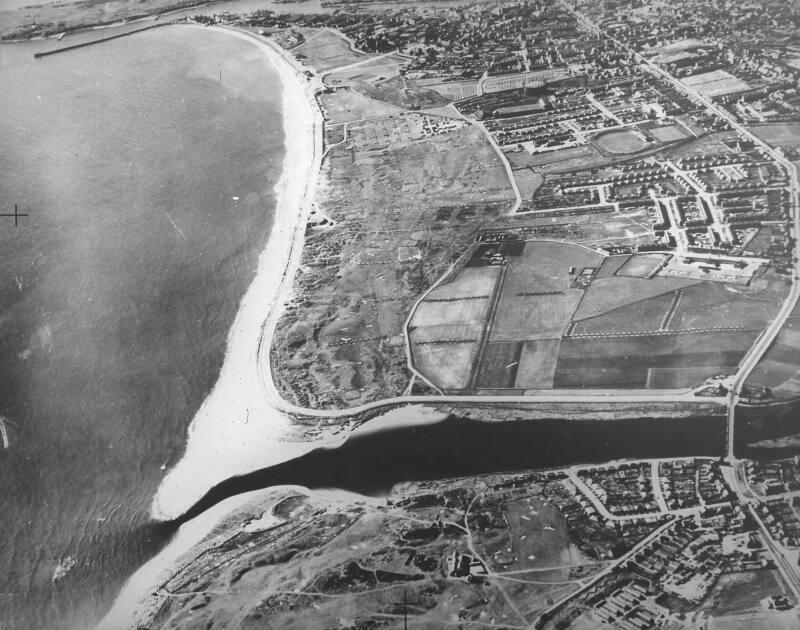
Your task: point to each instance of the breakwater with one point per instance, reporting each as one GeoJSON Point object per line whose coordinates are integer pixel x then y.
{"type": "Point", "coordinates": [107, 38]}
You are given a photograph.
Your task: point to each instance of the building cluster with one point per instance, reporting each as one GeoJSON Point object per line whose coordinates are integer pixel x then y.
{"type": "Point", "coordinates": [673, 571]}
{"type": "Point", "coordinates": [781, 519]}
{"type": "Point", "coordinates": [624, 490]}
{"type": "Point", "coordinates": [590, 531]}
{"type": "Point", "coordinates": [774, 477]}
{"type": "Point", "coordinates": [744, 57]}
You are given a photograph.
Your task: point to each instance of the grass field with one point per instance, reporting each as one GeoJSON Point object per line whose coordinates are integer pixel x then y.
{"type": "Point", "coordinates": [779, 134]}
{"type": "Point", "coordinates": [347, 105]}
{"type": "Point", "coordinates": [642, 316]}
{"type": "Point", "coordinates": [543, 267]}
{"type": "Point", "coordinates": [626, 361]}
{"type": "Point", "coordinates": [606, 294]}
{"type": "Point", "coordinates": [622, 142]}
{"type": "Point", "coordinates": [764, 621]}
{"type": "Point", "coordinates": [672, 133]}
{"type": "Point", "coordinates": [780, 367]}
{"type": "Point", "coordinates": [447, 365]}
{"type": "Point", "coordinates": [710, 303]}
{"type": "Point", "coordinates": [611, 265]}
{"type": "Point", "coordinates": [324, 49]}
{"type": "Point", "coordinates": [678, 378]}
{"type": "Point", "coordinates": [641, 265]}
{"type": "Point", "coordinates": [445, 321]}
{"type": "Point", "coordinates": [470, 282]}
{"type": "Point", "coordinates": [741, 592]}
{"type": "Point", "coordinates": [378, 69]}
{"type": "Point", "coordinates": [537, 364]}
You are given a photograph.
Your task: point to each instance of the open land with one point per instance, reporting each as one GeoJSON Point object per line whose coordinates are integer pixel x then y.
{"type": "Point", "coordinates": [661, 541]}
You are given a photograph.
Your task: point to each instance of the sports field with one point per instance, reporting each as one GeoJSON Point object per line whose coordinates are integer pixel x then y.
{"type": "Point", "coordinates": [622, 142]}
{"type": "Point", "coordinates": [641, 265]}
{"type": "Point", "coordinates": [670, 133]}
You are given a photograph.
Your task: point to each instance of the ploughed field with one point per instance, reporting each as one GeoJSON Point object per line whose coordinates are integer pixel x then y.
{"type": "Point", "coordinates": [520, 316]}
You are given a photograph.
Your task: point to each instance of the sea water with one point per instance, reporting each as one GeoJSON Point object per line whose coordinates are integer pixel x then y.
{"type": "Point", "coordinates": [146, 167]}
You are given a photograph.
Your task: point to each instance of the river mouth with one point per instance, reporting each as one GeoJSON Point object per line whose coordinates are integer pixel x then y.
{"type": "Point", "coordinates": [371, 463]}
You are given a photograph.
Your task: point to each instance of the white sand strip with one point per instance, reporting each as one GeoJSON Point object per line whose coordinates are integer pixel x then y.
{"type": "Point", "coordinates": [236, 430]}
{"type": "Point", "coordinates": [140, 598]}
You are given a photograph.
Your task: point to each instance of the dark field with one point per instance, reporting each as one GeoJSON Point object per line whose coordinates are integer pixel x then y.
{"type": "Point", "coordinates": [625, 362]}
{"type": "Point", "coordinates": [499, 365]}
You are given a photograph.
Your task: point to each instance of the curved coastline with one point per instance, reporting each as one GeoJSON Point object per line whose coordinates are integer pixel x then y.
{"type": "Point", "coordinates": [236, 412]}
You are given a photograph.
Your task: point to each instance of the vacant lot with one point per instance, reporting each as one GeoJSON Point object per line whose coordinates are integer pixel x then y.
{"type": "Point", "coordinates": [737, 593]}
{"type": "Point", "coordinates": [536, 300]}
{"type": "Point", "coordinates": [626, 361]}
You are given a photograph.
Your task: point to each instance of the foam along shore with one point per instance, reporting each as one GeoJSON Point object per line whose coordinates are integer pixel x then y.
{"type": "Point", "coordinates": [236, 430]}
{"type": "Point", "coordinates": [139, 598]}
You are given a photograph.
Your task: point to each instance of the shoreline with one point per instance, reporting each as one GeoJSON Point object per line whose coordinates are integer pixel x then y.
{"type": "Point", "coordinates": [236, 412]}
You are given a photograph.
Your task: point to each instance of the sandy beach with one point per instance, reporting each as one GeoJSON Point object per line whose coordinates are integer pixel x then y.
{"type": "Point", "coordinates": [138, 600]}
{"type": "Point", "coordinates": [237, 429]}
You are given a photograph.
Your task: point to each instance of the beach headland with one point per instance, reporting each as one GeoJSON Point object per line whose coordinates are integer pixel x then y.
{"type": "Point", "coordinates": [237, 412]}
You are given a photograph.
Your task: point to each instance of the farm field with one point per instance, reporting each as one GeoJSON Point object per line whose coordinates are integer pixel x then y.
{"type": "Point", "coordinates": [446, 365]}
{"type": "Point", "coordinates": [779, 369]}
{"type": "Point", "coordinates": [607, 294]}
{"type": "Point", "coordinates": [537, 300]}
{"type": "Point", "coordinates": [448, 320]}
{"type": "Point", "coordinates": [499, 364]}
{"type": "Point", "coordinates": [626, 361]}
{"type": "Point", "coordinates": [531, 324]}
{"type": "Point", "coordinates": [537, 364]}
{"type": "Point", "coordinates": [642, 316]}
{"type": "Point", "coordinates": [698, 306]}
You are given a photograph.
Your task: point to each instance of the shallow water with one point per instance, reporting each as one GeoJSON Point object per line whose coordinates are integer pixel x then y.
{"type": "Point", "coordinates": [118, 291]}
